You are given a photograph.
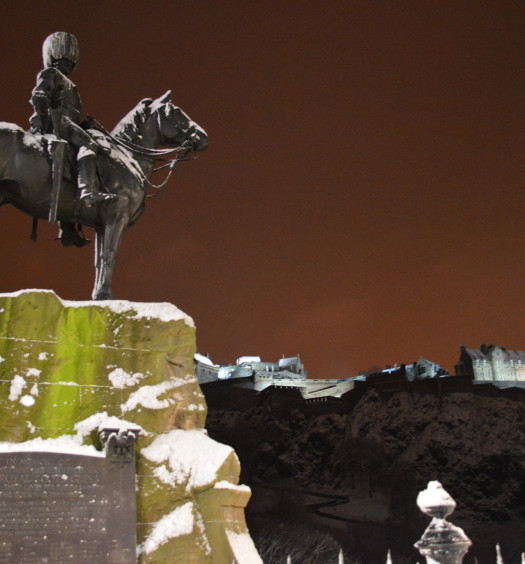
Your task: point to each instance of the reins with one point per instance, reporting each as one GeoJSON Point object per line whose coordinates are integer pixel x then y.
{"type": "Point", "coordinates": [172, 166]}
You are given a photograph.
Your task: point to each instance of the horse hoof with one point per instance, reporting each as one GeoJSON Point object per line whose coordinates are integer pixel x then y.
{"type": "Point", "coordinates": [100, 296]}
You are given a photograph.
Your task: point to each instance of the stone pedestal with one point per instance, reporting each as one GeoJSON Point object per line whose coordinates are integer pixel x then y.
{"type": "Point", "coordinates": [68, 370]}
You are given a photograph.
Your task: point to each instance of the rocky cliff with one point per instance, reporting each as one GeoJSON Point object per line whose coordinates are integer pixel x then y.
{"type": "Point", "coordinates": [355, 471]}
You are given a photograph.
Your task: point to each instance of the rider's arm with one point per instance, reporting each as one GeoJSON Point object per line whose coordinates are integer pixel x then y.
{"type": "Point", "coordinates": [41, 99]}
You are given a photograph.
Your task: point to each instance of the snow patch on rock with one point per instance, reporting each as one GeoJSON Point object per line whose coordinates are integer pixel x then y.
{"type": "Point", "coordinates": [188, 457]}
{"type": "Point", "coordinates": [224, 485]}
{"type": "Point", "coordinates": [148, 396]}
{"type": "Point", "coordinates": [27, 401]}
{"type": "Point", "coordinates": [175, 524]}
{"type": "Point", "coordinates": [119, 378]}
{"type": "Point", "coordinates": [17, 386]}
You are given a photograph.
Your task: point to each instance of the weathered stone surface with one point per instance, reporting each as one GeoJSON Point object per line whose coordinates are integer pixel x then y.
{"type": "Point", "coordinates": [67, 369]}
{"type": "Point", "coordinates": [63, 362]}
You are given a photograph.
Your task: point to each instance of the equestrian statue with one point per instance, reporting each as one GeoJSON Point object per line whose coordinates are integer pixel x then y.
{"type": "Point", "coordinates": [74, 172]}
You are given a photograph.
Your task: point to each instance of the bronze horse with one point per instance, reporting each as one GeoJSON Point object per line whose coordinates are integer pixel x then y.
{"type": "Point", "coordinates": [26, 175]}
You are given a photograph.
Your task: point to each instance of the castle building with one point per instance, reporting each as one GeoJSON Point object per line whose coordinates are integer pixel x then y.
{"type": "Point", "coordinates": [253, 373]}
{"type": "Point", "coordinates": [492, 363]}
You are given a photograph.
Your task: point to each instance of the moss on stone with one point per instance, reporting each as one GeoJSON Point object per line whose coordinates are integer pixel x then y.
{"type": "Point", "coordinates": [62, 363]}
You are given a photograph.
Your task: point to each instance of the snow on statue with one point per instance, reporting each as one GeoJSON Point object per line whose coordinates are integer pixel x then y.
{"type": "Point", "coordinates": [72, 171]}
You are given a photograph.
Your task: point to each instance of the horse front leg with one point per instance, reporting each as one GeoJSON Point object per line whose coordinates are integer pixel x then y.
{"type": "Point", "coordinates": [99, 243]}
{"type": "Point", "coordinates": [108, 245]}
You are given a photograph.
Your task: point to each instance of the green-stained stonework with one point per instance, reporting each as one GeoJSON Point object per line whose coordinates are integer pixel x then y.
{"type": "Point", "coordinates": [67, 369]}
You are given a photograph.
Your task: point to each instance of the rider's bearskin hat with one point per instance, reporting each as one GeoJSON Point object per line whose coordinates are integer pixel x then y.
{"type": "Point", "coordinates": [60, 45]}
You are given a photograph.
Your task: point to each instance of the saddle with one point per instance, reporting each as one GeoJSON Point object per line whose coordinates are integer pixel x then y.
{"type": "Point", "coordinates": [70, 171]}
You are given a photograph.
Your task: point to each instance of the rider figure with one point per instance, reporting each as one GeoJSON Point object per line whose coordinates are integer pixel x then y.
{"type": "Point", "coordinates": [58, 109]}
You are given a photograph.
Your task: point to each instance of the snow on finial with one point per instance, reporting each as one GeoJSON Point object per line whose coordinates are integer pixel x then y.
{"type": "Point", "coordinates": [435, 501]}
{"type": "Point", "coordinates": [388, 557]}
{"type": "Point", "coordinates": [341, 559]}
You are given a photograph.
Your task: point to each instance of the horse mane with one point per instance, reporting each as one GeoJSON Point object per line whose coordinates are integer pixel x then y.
{"type": "Point", "coordinates": [128, 127]}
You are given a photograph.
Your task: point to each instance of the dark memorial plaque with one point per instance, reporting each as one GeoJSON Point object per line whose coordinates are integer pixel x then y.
{"type": "Point", "coordinates": [65, 508]}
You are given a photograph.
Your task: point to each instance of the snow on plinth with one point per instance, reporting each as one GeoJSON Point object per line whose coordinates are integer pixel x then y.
{"type": "Point", "coordinates": [163, 311]}
{"type": "Point", "coordinates": [67, 444]}
{"type": "Point", "coordinates": [100, 421]}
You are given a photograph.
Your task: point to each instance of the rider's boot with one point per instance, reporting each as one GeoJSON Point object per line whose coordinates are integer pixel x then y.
{"type": "Point", "coordinates": [87, 178]}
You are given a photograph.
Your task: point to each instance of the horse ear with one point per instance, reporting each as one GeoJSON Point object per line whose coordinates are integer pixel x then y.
{"type": "Point", "coordinates": [146, 103]}
{"type": "Point", "coordinates": [165, 98]}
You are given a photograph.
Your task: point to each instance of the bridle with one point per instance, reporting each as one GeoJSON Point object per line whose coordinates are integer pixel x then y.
{"type": "Point", "coordinates": [155, 154]}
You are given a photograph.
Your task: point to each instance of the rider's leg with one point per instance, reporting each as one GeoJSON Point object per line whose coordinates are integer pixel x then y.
{"type": "Point", "coordinates": [87, 177]}
{"type": "Point", "coordinates": [71, 235]}
{"type": "Point", "coordinates": [86, 161]}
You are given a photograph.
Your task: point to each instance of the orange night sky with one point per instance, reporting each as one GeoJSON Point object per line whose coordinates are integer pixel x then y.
{"type": "Point", "coordinates": [362, 199]}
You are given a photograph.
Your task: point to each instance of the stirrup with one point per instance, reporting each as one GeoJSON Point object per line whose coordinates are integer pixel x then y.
{"type": "Point", "coordinates": [90, 197]}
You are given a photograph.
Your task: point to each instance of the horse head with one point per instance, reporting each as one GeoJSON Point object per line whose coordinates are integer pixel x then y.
{"type": "Point", "coordinates": [175, 127]}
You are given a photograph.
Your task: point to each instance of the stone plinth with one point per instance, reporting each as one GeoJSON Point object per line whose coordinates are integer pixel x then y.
{"type": "Point", "coordinates": [69, 369]}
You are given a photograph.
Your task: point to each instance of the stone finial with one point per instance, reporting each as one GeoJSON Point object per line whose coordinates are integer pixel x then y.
{"type": "Point", "coordinates": [442, 542]}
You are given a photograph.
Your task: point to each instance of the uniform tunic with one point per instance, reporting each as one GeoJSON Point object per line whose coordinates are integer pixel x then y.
{"type": "Point", "coordinates": [54, 90]}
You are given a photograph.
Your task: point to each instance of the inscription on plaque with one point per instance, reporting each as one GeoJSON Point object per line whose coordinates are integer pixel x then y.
{"type": "Point", "coordinates": [63, 508]}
